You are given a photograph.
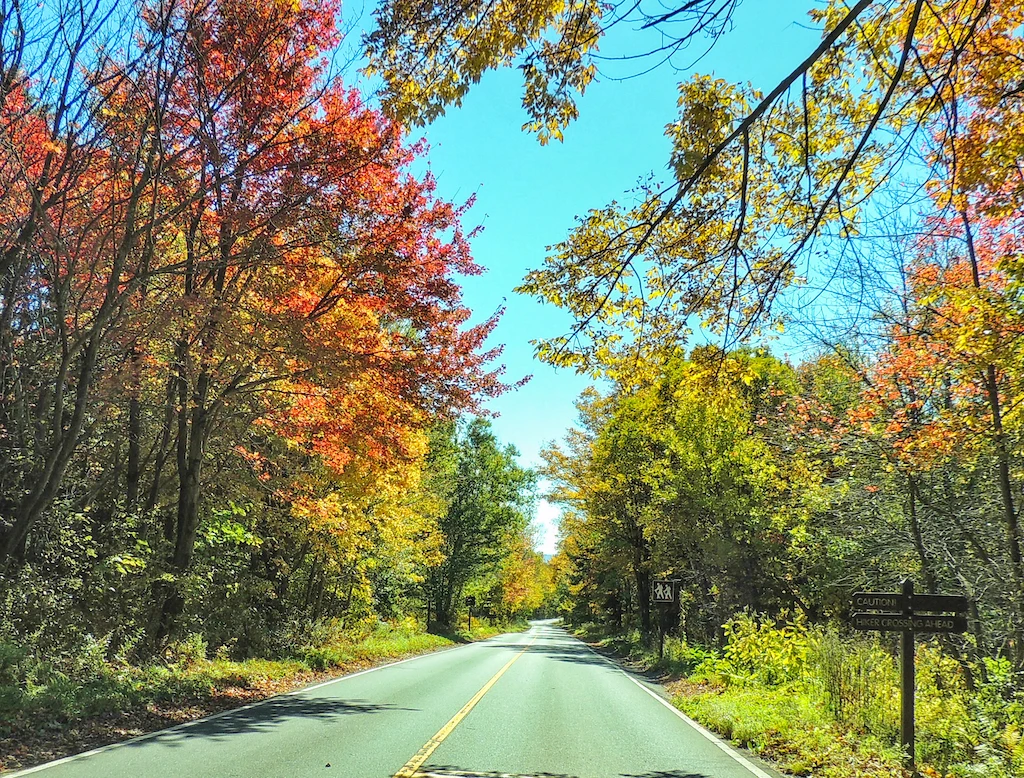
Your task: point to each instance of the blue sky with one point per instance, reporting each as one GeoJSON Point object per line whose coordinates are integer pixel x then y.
{"type": "Point", "coordinates": [528, 195]}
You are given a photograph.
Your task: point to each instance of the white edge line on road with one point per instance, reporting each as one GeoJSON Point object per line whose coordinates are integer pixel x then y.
{"type": "Point", "coordinates": [754, 769]}
{"type": "Point", "coordinates": [709, 735]}
{"type": "Point", "coordinates": [150, 735]}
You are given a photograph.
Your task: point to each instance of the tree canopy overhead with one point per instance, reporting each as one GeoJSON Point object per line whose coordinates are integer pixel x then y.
{"type": "Point", "coordinates": [431, 52]}
{"type": "Point", "coordinates": [759, 182]}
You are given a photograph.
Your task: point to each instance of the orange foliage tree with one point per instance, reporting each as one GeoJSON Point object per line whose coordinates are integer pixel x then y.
{"type": "Point", "coordinates": [243, 244]}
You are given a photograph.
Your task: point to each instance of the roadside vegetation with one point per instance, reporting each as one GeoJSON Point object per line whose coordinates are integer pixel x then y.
{"type": "Point", "coordinates": [807, 340]}
{"type": "Point", "coordinates": [817, 703]}
{"type": "Point", "coordinates": [241, 403]}
{"type": "Point", "coordinates": [80, 664]}
{"type": "Point", "coordinates": [864, 213]}
{"type": "Point", "coordinates": [83, 697]}
{"type": "Point", "coordinates": [771, 493]}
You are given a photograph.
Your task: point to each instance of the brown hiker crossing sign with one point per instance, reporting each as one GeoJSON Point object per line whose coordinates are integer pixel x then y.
{"type": "Point", "coordinates": [886, 622]}
{"type": "Point", "coordinates": [895, 612]}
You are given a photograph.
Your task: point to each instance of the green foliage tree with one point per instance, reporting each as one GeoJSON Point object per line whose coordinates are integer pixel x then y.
{"type": "Point", "coordinates": [680, 478]}
{"type": "Point", "coordinates": [487, 501]}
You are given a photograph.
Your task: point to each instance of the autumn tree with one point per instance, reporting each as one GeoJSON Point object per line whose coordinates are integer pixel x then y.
{"type": "Point", "coordinates": [757, 179]}
{"type": "Point", "coordinates": [238, 284]}
{"type": "Point", "coordinates": [684, 478]}
{"type": "Point", "coordinates": [81, 204]}
{"type": "Point", "coordinates": [523, 586]}
{"type": "Point", "coordinates": [963, 351]}
{"type": "Point", "coordinates": [598, 553]}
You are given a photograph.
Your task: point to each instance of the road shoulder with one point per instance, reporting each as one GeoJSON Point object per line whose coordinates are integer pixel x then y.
{"type": "Point", "coordinates": [657, 685]}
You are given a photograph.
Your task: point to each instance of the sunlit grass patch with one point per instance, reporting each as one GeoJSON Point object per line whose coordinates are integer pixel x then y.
{"type": "Point", "coordinates": [823, 704]}
{"type": "Point", "coordinates": [790, 727]}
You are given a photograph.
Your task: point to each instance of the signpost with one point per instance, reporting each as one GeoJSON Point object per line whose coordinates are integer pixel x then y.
{"type": "Point", "coordinates": [470, 602]}
{"type": "Point", "coordinates": [664, 593]}
{"type": "Point", "coordinates": [902, 612]}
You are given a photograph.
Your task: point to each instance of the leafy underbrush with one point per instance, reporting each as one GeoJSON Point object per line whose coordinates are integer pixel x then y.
{"type": "Point", "coordinates": [680, 658]}
{"type": "Point", "coordinates": [827, 705]}
{"type": "Point", "coordinates": [791, 728]}
{"type": "Point", "coordinates": [86, 680]}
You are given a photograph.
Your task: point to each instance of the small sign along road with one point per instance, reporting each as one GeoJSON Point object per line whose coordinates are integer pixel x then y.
{"type": "Point", "coordinates": [940, 603]}
{"type": "Point", "coordinates": [878, 601]}
{"type": "Point", "coordinates": [663, 591]}
{"type": "Point", "coordinates": [664, 594]}
{"type": "Point", "coordinates": [889, 602]}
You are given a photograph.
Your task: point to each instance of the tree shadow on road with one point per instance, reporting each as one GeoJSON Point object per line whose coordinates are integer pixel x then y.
{"type": "Point", "coordinates": [449, 771]}
{"type": "Point", "coordinates": [579, 655]}
{"type": "Point", "coordinates": [265, 716]}
{"type": "Point", "coordinates": [666, 774]}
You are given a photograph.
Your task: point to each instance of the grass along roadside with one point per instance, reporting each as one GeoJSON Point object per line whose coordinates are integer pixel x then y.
{"type": "Point", "coordinates": [819, 704]}
{"type": "Point", "coordinates": [53, 708]}
{"type": "Point", "coordinates": [788, 728]}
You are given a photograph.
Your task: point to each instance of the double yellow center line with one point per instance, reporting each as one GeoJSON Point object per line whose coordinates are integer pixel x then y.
{"type": "Point", "coordinates": [410, 769]}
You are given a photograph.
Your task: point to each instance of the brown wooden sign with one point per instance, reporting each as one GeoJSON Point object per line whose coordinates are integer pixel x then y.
{"type": "Point", "coordinates": [896, 602]}
{"type": "Point", "coordinates": [939, 603]}
{"type": "Point", "coordinates": [902, 612]}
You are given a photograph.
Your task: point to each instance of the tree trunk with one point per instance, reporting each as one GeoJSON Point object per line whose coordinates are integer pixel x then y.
{"type": "Point", "coordinates": [64, 435]}
{"type": "Point", "coordinates": [131, 491]}
{"type": "Point", "coordinates": [1009, 512]}
{"type": "Point", "coordinates": [915, 531]}
{"type": "Point", "coordinates": [643, 592]}
{"type": "Point", "coordinates": [314, 573]}
{"type": "Point", "coordinates": [193, 429]}
{"type": "Point", "coordinates": [163, 450]}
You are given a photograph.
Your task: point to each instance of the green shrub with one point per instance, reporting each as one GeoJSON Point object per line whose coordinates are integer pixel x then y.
{"type": "Point", "coordinates": [324, 657]}
{"type": "Point", "coordinates": [12, 664]}
{"type": "Point", "coordinates": [81, 681]}
{"type": "Point", "coordinates": [759, 651]}
{"type": "Point", "coordinates": [684, 658]}
{"type": "Point", "coordinates": [88, 661]}
{"type": "Point", "coordinates": [789, 726]}
{"type": "Point", "coordinates": [946, 733]}
{"type": "Point", "coordinates": [826, 704]}
{"type": "Point", "coordinates": [188, 652]}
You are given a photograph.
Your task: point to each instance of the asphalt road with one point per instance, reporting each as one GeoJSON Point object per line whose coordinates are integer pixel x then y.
{"type": "Point", "coordinates": [539, 703]}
